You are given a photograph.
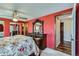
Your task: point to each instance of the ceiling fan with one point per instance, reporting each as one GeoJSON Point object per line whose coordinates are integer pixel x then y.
{"type": "Point", "coordinates": [16, 15]}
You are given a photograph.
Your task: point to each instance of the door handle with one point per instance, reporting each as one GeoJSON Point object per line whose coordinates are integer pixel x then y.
{"type": "Point", "coordinates": [72, 38]}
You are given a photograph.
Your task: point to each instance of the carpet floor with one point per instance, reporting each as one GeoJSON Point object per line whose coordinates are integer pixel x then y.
{"type": "Point", "coordinates": [52, 52]}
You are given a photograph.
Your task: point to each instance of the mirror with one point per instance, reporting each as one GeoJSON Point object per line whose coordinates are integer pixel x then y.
{"type": "Point", "coordinates": [38, 27]}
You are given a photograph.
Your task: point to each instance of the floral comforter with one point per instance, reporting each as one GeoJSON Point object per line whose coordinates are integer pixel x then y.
{"type": "Point", "coordinates": [18, 45]}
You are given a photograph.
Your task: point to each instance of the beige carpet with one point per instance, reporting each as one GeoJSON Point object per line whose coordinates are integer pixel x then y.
{"type": "Point", "coordinates": [52, 52]}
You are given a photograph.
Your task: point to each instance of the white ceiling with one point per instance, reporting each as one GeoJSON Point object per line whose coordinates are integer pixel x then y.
{"type": "Point", "coordinates": [32, 10]}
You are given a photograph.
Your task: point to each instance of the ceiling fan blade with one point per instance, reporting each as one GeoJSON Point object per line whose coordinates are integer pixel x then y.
{"type": "Point", "coordinates": [23, 18]}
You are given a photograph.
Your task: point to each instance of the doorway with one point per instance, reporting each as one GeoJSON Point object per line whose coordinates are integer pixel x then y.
{"type": "Point", "coordinates": [63, 33]}
{"type": "Point", "coordinates": [14, 29]}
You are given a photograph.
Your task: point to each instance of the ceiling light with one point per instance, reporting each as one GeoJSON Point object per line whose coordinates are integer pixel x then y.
{"type": "Point", "coordinates": [15, 19]}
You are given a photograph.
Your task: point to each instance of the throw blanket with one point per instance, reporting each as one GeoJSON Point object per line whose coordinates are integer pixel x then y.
{"type": "Point", "coordinates": [18, 45]}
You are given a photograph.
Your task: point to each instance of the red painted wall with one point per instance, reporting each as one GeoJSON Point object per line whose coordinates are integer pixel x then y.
{"type": "Point", "coordinates": [49, 27]}
{"type": "Point", "coordinates": [6, 26]}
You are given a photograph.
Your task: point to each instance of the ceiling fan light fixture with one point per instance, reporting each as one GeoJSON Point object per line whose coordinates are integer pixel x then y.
{"type": "Point", "coordinates": [15, 19]}
{"type": "Point", "coordinates": [15, 15]}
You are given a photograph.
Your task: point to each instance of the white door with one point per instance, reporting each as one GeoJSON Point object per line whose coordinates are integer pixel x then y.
{"type": "Point", "coordinates": [73, 30]}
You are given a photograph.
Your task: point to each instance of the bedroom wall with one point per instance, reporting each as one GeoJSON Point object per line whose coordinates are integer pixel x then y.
{"type": "Point", "coordinates": [49, 26]}
{"type": "Point", "coordinates": [7, 26]}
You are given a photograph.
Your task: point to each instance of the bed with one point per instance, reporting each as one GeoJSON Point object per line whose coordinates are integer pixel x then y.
{"type": "Point", "coordinates": [18, 45]}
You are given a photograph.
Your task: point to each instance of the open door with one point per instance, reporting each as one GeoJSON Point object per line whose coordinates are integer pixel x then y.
{"type": "Point", "coordinates": [66, 32]}
{"type": "Point", "coordinates": [63, 33]}
{"type": "Point", "coordinates": [73, 31]}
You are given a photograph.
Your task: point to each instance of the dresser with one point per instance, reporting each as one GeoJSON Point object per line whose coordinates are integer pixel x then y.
{"type": "Point", "coordinates": [40, 40]}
